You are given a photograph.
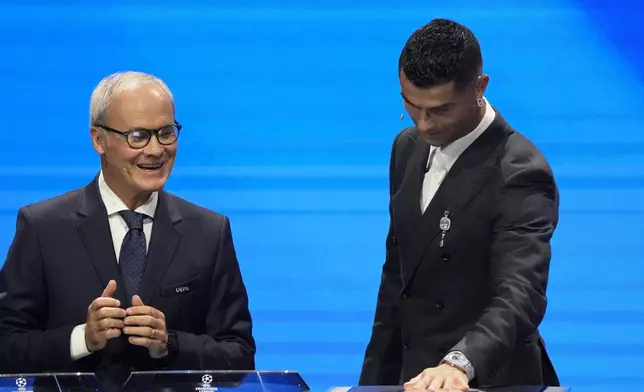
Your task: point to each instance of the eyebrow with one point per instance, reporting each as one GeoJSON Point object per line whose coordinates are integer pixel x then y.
{"type": "Point", "coordinates": [443, 106]}
{"type": "Point", "coordinates": [150, 129]}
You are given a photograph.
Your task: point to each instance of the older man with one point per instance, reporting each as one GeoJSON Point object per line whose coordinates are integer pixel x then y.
{"type": "Point", "coordinates": [121, 275]}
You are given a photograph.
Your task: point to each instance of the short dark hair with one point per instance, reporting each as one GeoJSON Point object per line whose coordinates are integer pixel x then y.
{"type": "Point", "coordinates": [440, 52]}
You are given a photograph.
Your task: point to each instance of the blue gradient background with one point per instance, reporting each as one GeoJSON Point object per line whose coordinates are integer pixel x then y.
{"type": "Point", "coordinates": [289, 109]}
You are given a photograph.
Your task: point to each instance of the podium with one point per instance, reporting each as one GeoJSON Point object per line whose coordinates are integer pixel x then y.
{"type": "Point", "coordinates": [198, 381]}
{"type": "Point", "coordinates": [49, 382]}
{"type": "Point", "coordinates": [163, 381]}
{"type": "Point", "coordinates": [206, 381]}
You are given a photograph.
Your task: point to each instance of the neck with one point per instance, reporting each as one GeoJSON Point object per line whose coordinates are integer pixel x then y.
{"type": "Point", "coordinates": [132, 200]}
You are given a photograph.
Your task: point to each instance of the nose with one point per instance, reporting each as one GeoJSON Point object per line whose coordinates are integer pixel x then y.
{"type": "Point", "coordinates": [423, 123]}
{"type": "Point", "coordinates": [154, 148]}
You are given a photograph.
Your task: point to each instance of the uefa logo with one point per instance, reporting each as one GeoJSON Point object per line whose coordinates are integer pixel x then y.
{"type": "Point", "coordinates": [21, 383]}
{"type": "Point", "coordinates": [206, 379]}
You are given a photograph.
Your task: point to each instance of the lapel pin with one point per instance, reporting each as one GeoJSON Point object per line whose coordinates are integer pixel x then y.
{"type": "Point", "coordinates": [444, 224]}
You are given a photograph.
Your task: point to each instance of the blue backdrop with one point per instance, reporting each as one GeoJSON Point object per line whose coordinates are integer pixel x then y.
{"type": "Point", "coordinates": [289, 109]}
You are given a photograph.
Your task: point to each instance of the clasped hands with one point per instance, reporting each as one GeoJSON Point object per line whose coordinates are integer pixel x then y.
{"type": "Point", "coordinates": [441, 378]}
{"type": "Point", "coordinates": [144, 325]}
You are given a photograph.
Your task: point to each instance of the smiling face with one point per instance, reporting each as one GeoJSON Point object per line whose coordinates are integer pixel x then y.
{"type": "Point", "coordinates": [133, 174]}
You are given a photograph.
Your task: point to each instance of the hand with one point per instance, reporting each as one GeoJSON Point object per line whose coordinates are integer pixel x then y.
{"type": "Point", "coordinates": [146, 327]}
{"type": "Point", "coordinates": [441, 378]}
{"type": "Point", "coordinates": [104, 319]}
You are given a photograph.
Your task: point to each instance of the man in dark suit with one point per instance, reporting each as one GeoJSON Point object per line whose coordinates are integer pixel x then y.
{"type": "Point", "coordinates": [473, 206]}
{"type": "Point", "coordinates": [121, 275]}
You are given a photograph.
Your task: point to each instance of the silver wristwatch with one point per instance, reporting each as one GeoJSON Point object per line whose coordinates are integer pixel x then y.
{"type": "Point", "coordinates": [458, 360]}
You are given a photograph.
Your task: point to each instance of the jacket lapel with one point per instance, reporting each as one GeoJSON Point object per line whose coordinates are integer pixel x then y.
{"type": "Point", "coordinates": [405, 204]}
{"type": "Point", "coordinates": [95, 233]}
{"type": "Point", "coordinates": [163, 244]}
{"type": "Point", "coordinates": [465, 179]}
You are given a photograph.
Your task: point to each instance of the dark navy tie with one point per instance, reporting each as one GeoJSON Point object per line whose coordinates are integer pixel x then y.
{"type": "Point", "coordinates": [133, 253]}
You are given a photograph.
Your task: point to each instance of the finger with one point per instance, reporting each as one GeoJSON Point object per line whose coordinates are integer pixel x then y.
{"type": "Point", "coordinates": [137, 301]}
{"type": "Point", "coordinates": [450, 382]}
{"type": "Point", "coordinates": [109, 323]}
{"type": "Point", "coordinates": [422, 382]}
{"type": "Point", "coordinates": [110, 289]}
{"type": "Point", "coordinates": [456, 379]}
{"type": "Point", "coordinates": [415, 379]}
{"type": "Point", "coordinates": [411, 384]}
{"type": "Point", "coordinates": [109, 313]}
{"type": "Point", "coordinates": [110, 333]}
{"type": "Point", "coordinates": [141, 311]}
{"type": "Point", "coordinates": [104, 302]}
{"type": "Point", "coordinates": [460, 383]}
{"type": "Point", "coordinates": [437, 383]}
{"type": "Point", "coordinates": [139, 341]}
{"type": "Point", "coordinates": [145, 332]}
{"type": "Point", "coordinates": [142, 321]}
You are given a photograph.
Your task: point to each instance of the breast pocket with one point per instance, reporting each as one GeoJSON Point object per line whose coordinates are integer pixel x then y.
{"type": "Point", "coordinates": [180, 288]}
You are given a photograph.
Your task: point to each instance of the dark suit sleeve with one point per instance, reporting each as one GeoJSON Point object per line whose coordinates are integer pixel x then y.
{"type": "Point", "coordinates": [25, 344]}
{"type": "Point", "coordinates": [383, 358]}
{"type": "Point", "coordinates": [527, 215]}
{"type": "Point", "coordinates": [228, 342]}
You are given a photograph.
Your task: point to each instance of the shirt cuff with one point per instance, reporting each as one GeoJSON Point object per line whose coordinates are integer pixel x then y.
{"type": "Point", "coordinates": [77, 345]}
{"type": "Point", "coordinates": [459, 360]}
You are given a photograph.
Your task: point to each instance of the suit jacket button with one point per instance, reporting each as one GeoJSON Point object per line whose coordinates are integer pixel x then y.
{"type": "Point", "coordinates": [407, 344]}
{"type": "Point", "coordinates": [440, 304]}
{"type": "Point", "coordinates": [404, 295]}
{"type": "Point", "coordinates": [446, 257]}
{"type": "Point", "coordinates": [395, 240]}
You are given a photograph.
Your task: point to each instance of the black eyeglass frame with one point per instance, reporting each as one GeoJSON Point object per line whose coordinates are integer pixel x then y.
{"type": "Point", "coordinates": [148, 132]}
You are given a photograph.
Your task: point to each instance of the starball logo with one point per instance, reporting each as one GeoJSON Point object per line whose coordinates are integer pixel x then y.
{"type": "Point", "coordinates": [21, 383]}
{"type": "Point", "coordinates": [206, 380]}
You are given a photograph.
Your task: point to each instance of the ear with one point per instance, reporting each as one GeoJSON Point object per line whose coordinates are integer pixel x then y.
{"type": "Point", "coordinates": [98, 140]}
{"type": "Point", "coordinates": [481, 85]}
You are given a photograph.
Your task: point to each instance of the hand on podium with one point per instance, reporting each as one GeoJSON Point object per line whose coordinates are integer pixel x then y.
{"type": "Point", "coordinates": [441, 378]}
{"type": "Point", "coordinates": [145, 326]}
{"type": "Point", "coordinates": [104, 319]}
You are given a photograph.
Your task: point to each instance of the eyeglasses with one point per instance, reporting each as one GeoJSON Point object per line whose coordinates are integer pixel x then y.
{"type": "Point", "coordinates": [139, 138]}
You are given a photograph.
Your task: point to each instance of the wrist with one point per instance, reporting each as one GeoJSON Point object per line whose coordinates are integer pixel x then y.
{"type": "Point", "coordinates": [172, 344]}
{"type": "Point", "coordinates": [450, 365]}
{"type": "Point", "coordinates": [458, 360]}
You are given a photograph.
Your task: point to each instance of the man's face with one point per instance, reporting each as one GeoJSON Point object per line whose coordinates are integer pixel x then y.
{"type": "Point", "coordinates": [442, 113]}
{"type": "Point", "coordinates": [136, 171]}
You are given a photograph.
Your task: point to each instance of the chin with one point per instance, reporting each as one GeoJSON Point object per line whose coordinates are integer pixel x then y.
{"type": "Point", "coordinates": [432, 140]}
{"type": "Point", "coordinates": [148, 183]}
{"type": "Point", "coordinates": [153, 185]}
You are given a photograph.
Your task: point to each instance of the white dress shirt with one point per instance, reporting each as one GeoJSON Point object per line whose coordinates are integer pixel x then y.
{"type": "Point", "coordinates": [118, 228]}
{"type": "Point", "coordinates": [441, 159]}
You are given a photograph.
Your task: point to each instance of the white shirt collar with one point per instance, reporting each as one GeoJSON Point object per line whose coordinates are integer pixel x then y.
{"type": "Point", "coordinates": [113, 204]}
{"type": "Point", "coordinates": [452, 151]}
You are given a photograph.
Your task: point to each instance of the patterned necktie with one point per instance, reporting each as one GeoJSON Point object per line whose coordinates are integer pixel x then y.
{"type": "Point", "coordinates": [133, 252]}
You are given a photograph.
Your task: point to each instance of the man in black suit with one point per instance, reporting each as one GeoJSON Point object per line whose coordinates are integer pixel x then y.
{"type": "Point", "coordinates": [121, 275]}
{"type": "Point", "coordinates": [473, 206]}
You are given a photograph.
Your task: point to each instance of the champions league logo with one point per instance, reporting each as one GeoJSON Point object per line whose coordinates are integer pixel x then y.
{"type": "Point", "coordinates": [206, 380]}
{"type": "Point", "coordinates": [21, 383]}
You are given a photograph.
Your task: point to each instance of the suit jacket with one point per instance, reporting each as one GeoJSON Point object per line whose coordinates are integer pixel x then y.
{"type": "Point", "coordinates": [61, 259]}
{"type": "Point", "coordinates": [484, 292]}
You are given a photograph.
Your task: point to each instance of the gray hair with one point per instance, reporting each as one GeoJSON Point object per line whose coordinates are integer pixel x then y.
{"type": "Point", "coordinates": [113, 85]}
